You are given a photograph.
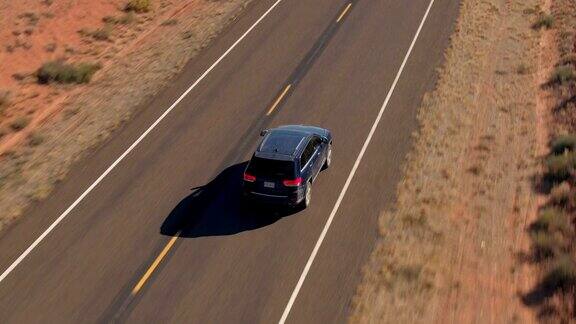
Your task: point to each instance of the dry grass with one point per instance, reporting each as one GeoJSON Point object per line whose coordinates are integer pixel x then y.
{"type": "Point", "coordinates": [554, 235]}
{"type": "Point", "coordinates": [467, 188]}
{"type": "Point", "coordinates": [138, 6]}
{"type": "Point", "coordinates": [62, 72]}
{"type": "Point", "coordinates": [94, 111]}
{"type": "Point", "coordinates": [19, 123]}
{"type": "Point", "coordinates": [4, 100]}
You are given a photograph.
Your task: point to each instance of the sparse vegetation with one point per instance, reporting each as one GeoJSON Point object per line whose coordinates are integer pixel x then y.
{"type": "Point", "coordinates": [560, 195]}
{"type": "Point", "coordinates": [552, 220]}
{"type": "Point", "coordinates": [562, 74]}
{"type": "Point", "coordinates": [102, 34]}
{"type": "Point", "coordinates": [564, 143]}
{"type": "Point", "coordinates": [125, 19]}
{"type": "Point", "coordinates": [187, 34]}
{"type": "Point", "coordinates": [169, 22]}
{"type": "Point", "coordinates": [561, 276]}
{"type": "Point", "coordinates": [544, 245]}
{"type": "Point", "coordinates": [138, 6]}
{"type": "Point", "coordinates": [4, 100]}
{"type": "Point", "coordinates": [61, 72]}
{"type": "Point", "coordinates": [522, 69]}
{"type": "Point", "coordinates": [544, 21]}
{"type": "Point", "coordinates": [20, 123]}
{"type": "Point", "coordinates": [35, 139]}
{"type": "Point", "coordinates": [50, 47]}
{"type": "Point", "coordinates": [568, 59]}
{"type": "Point", "coordinates": [560, 167]}
{"type": "Point", "coordinates": [31, 17]}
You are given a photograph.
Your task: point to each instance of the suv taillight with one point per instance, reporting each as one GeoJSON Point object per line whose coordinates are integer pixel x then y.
{"type": "Point", "coordinates": [248, 177]}
{"type": "Point", "coordinates": [293, 183]}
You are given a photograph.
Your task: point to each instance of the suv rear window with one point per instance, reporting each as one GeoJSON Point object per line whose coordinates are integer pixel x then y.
{"type": "Point", "coordinates": [271, 168]}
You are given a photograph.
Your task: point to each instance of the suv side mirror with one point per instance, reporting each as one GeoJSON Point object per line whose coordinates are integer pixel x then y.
{"type": "Point", "coordinates": [263, 132]}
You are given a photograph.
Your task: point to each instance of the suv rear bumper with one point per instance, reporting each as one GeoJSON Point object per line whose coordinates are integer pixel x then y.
{"type": "Point", "coordinates": [288, 199]}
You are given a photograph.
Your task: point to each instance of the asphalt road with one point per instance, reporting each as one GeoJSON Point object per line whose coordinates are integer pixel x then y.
{"type": "Point", "coordinates": [161, 238]}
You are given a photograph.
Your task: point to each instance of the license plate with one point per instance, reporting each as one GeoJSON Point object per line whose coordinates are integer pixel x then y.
{"type": "Point", "coordinates": [269, 184]}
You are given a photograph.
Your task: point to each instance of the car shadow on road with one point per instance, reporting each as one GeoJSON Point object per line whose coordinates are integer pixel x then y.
{"type": "Point", "coordinates": [215, 209]}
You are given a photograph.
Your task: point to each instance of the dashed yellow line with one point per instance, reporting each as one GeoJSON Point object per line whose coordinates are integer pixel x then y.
{"type": "Point", "coordinates": [155, 264]}
{"type": "Point", "coordinates": [344, 12]}
{"type": "Point", "coordinates": [280, 97]}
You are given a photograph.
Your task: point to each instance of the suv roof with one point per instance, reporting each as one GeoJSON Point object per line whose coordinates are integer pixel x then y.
{"type": "Point", "coordinates": [282, 144]}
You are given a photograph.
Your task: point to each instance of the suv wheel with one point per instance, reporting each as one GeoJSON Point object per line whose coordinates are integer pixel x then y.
{"type": "Point", "coordinates": [307, 195]}
{"type": "Point", "coordinates": [328, 157]}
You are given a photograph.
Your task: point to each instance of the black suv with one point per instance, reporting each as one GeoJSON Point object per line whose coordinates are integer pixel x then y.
{"type": "Point", "coordinates": [286, 163]}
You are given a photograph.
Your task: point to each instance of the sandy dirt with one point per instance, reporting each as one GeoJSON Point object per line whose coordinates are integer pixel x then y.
{"type": "Point", "coordinates": [141, 54]}
{"type": "Point", "coordinates": [450, 252]}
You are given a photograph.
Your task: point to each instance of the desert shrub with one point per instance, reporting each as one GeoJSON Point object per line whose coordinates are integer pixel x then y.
{"type": "Point", "coordinates": [522, 69]}
{"type": "Point", "coordinates": [35, 139]}
{"type": "Point", "coordinates": [125, 19]}
{"type": "Point", "coordinates": [169, 22]}
{"type": "Point", "coordinates": [102, 33]}
{"type": "Point", "coordinates": [31, 17]}
{"type": "Point", "coordinates": [544, 21]}
{"type": "Point", "coordinates": [562, 74]}
{"type": "Point", "coordinates": [559, 167]}
{"type": "Point", "coordinates": [568, 59]}
{"type": "Point", "coordinates": [20, 123]}
{"type": "Point", "coordinates": [4, 100]}
{"type": "Point", "coordinates": [563, 143]}
{"type": "Point", "coordinates": [551, 220]}
{"type": "Point", "coordinates": [545, 245]}
{"type": "Point", "coordinates": [58, 71]}
{"type": "Point", "coordinates": [50, 47]}
{"type": "Point", "coordinates": [560, 194]}
{"type": "Point", "coordinates": [561, 276]}
{"type": "Point", "coordinates": [138, 5]}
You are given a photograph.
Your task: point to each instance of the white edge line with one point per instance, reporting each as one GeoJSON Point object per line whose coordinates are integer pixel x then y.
{"type": "Point", "coordinates": [115, 163]}
{"type": "Point", "coordinates": [351, 175]}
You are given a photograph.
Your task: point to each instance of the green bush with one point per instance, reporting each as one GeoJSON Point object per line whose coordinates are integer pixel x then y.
{"type": "Point", "coordinates": [138, 5]}
{"type": "Point", "coordinates": [562, 275]}
{"type": "Point", "coordinates": [544, 20]}
{"type": "Point", "coordinates": [560, 166]}
{"type": "Point", "coordinates": [545, 245]}
{"type": "Point", "coordinates": [563, 74]}
{"type": "Point", "coordinates": [60, 72]}
{"type": "Point", "coordinates": [552, 220]}
{"type": "Point", "coordinates": [564, 143]}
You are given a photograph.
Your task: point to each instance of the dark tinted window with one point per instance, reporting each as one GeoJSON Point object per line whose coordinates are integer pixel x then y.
{"type": "Point", "coordinates": [316, 141]}
{"type": "Point", "coordinates": [307, 154]}
{"type": "Point", "coordinates": [271, 168]}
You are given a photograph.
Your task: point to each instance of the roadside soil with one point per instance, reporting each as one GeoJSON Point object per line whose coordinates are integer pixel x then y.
{"type": "Point", "coordinates": [451, 250]}
{"type": "Point", "coordinates": [45, 128]}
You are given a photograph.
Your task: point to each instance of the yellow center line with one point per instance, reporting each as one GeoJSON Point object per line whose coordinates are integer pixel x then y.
{"type": "Point", "coordinates": [344, 12]}
{"type": "Point", "coordinates": [279, 99]}
{"type": "Point", "coordinates": [155, 264]}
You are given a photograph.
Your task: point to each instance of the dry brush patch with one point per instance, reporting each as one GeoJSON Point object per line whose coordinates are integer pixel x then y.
{"type": "Point", "coordinates": [553, 234]}
{"type": "Point", "coordinates": [467, 190]}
